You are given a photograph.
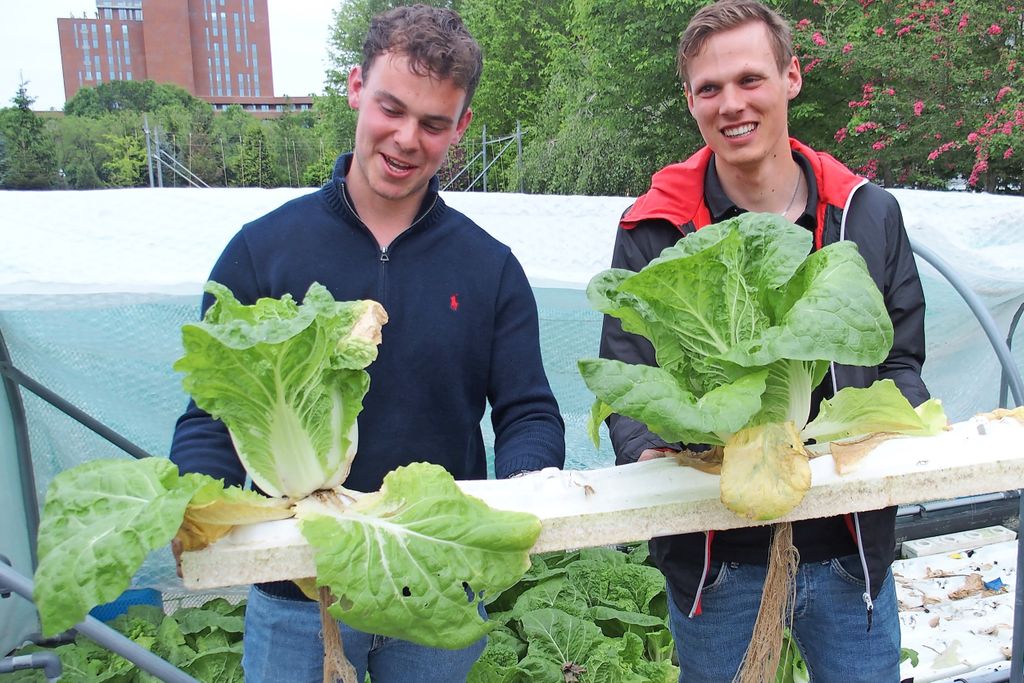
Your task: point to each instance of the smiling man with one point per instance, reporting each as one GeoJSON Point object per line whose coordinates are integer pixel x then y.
{"type": "Point", "coordinates": [462, 329]}
{"type": "Point", "coordinates": [739, 74]}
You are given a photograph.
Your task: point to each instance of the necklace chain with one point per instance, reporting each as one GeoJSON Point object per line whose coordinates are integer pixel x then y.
{"type": "Point", "coordinates": [796, 189]}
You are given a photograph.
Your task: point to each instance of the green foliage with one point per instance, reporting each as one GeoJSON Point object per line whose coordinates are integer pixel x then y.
{"type": "Point", "coordinates": [127, 160]}
{"type": "Point", "coordinates": [937, 92]}
{"type": "Point", "coordinates": [595, 614]}
{"type": "Point", "coordinates": [29, 159]}
{"type": "Point", "coordinates": [518, 39]}
{"type": "Point", "coordinates": [253, 165]}
{"type": "Point", "coordinates": [205, 642]}
{"type": "Point", "coordinates": [613, 111]}
{"type": "Point", "coordinates": [138, 96]}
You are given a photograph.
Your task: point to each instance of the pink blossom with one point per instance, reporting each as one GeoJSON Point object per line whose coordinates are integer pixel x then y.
{"type": "Point", "coordinates": [933, 155]}
{"type": "Point", "coordinates": [818, 39]}
{"type": "Point", "coordinates": [1008, 153]}
{"type": "Point", "coordinates": [959, 122]}
{"type": "Point", "coordinates": [918, 108]}
{"type": "Point", "coordinates": [864, 127]}
{"type": "Point", "coordinates": [879, 31]}
{"type": "Point", "coordinates": [813, 63]}
{"type": "Point", "coordinates": [903, 31]}
{"type": "Point", "coordinates": [1002, 92]}
{"type": "Point", "coordinates": [963, 22]}
{"type": "Point", "coordinates": [946, 11]}
{"type": "Point", "coordinates": [1007, 128]}
{"type": "Point", "coordinates": [890, 92]}
{"type": "Point", "coordinates": [994, 30]}
{"type": "Point", "coordinates": [847, 48]}
{"type": "Point", "coordinates": [802, 24]}
{"type": "Point", "coordinates": [972, 137]}
{"type": "Point", "coordinates": [840, 135]}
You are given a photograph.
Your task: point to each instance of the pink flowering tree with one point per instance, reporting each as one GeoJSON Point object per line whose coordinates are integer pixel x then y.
{"type": "Point", "coordinates": [939, 87]}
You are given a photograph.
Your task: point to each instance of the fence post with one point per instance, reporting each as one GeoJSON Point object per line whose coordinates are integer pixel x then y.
{"type": "Point", "coordinates": [159, 161]}
{"type": "Point", "coordinates": [484, 157]}
{"type": "Point", "coordinates": [149, 153]}
{"type": "Point", "coordinates": [519, 154]}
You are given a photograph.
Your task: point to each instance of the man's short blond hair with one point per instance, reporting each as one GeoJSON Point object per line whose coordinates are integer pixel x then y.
{"type": "Point", "coordinates": [729, 14]}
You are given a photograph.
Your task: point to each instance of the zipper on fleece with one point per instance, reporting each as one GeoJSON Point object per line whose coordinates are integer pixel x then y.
{"type": "Point", "coordinates": [868, 603]}
{"type": "Point", "coordinates": [383, 259]}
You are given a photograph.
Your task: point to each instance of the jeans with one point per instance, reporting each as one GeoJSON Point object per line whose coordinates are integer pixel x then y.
{"type": "Point", "coordinates": [829, 624]}
{"type": "Point", "coordinates": [283, 644]}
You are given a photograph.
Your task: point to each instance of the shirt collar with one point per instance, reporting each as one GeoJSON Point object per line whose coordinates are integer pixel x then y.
{"type": "Point", "coordinates": [723, 208]}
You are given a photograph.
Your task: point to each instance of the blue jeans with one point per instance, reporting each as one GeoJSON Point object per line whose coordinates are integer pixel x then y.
{"type": "Point", "coordinates": [829, 624]}
{"type": "Point", "coordinates": [283, 644]}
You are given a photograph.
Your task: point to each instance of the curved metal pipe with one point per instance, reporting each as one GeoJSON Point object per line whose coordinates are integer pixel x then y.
{"type": "Point", "coordinates": [1003, 381]}
{"type": "Point", "coordinates": [101, 634]}
{"type": "Point", "coordinates": [988, 325]}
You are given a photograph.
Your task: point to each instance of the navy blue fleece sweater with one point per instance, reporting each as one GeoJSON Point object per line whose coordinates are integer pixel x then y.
{"type": "Point", "coordinates": [462, 331]}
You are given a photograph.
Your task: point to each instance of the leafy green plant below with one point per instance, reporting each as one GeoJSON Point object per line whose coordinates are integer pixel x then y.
{"type": "Point", "coordinates": [205, 642]}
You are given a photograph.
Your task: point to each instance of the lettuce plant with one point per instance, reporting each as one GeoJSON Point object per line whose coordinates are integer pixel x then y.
{"type": "Point", "coordinates": [412, 560]}
{"type": "Point", "coordinates": [744, 320]}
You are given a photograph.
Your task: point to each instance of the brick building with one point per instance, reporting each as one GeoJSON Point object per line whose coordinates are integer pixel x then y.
{"type": "Point", "coordinates": [218, 50]}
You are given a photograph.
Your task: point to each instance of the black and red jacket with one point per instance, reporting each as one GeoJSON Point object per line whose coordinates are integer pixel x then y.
{"type": "Point", "coordinates": [844, 207]}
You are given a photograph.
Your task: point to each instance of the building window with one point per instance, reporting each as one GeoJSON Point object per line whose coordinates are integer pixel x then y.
{"type": "Point", "coordinates": [96, 67]}
{"type": "Point", "coordinates": [95, 40]}
{"type": "Point", "coordinates": [256, 68]}
{"type": "Point", "coordinates": [74, 30]}
{"type": "Point", "coordinates": [238, 33]}
{"type": "Point", "coordinates": [128, 76]}
{"type": "Point", "coordinates": [241, 85]}
{"type": "Point", "coordinates": [252, 11]}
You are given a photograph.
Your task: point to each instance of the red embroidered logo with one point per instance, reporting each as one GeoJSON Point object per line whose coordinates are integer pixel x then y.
{"type": "Point", "coordinates": [453, 301]}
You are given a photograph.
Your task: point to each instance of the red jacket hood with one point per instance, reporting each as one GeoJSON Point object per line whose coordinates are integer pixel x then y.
{"type": "Point", "coordinates": [672, 196]}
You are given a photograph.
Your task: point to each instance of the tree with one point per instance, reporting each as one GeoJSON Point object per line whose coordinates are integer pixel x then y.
{"type": "Point", "coordinates": [127, 161]}
{"type": "Point", "coordinates": [140, 96]}
{"type": "Point", "coordinates": [939, 91]}
{"type": "Point", "coordinates": [351, 22]}
{"type": "Point", "coordinates": [614, 112]}
{"type": "Point", "coordinates": [30, 160]}
{"type": "Point", "coordinates": [78, 154]}
{"type": "Point", "coordinates": [518, 39]}
{"type": "Point", "coordinates": [253, 166]}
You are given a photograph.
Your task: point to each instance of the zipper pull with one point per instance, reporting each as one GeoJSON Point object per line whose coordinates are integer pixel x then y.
{"type": "Point", "coordinates": [384, 255]}
{"type": "Point", "coordinates": [871, 608]}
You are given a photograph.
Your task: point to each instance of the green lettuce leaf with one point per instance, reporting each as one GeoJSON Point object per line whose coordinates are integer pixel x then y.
{"type": "Point", "coordinates": [880, 407]}
{"type": "Point", "coordinates": [654, 397]}
{"type": "Point", "coordinates": [287, 380]}
{"type": "Point", "coordinates": [415, 559]}
{"type": "Point", "coordinates": [99, 522]}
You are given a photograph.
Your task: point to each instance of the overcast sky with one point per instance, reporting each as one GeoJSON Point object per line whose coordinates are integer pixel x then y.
{"type": "Point", "coordinates": [29, 46]}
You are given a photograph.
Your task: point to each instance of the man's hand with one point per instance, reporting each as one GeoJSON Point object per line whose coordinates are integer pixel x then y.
{"type": "Point", "coordinates": [652, 453]}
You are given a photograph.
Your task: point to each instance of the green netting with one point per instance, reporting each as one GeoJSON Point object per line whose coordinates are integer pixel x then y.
{"type": "Point", "coordinates": [111, 354]}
